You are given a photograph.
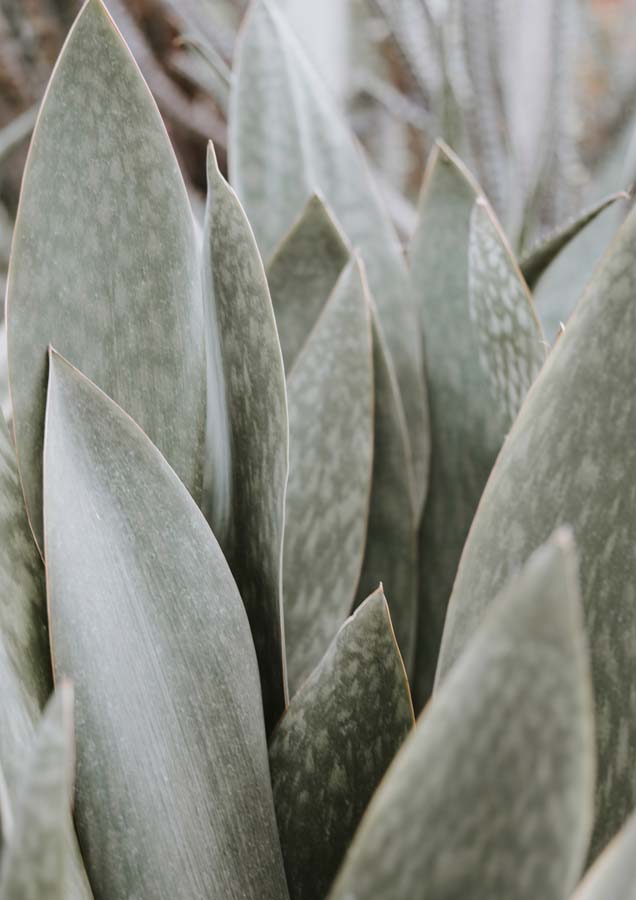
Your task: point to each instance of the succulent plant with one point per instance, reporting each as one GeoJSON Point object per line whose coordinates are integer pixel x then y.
{"type": "Point", "coordinates": [249, 462]}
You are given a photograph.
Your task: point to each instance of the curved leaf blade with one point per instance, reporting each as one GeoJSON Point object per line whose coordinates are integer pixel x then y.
{"type": "Point", "coordinates": [334, 744]}
{"type": "Point", "coordinates": [255, 403]}
{"type": "Point", "coordinates": [614, 873]}
{"type": "Point", "coordinates": [146, 616]}
{"type": "Point", "coordinates": [104, 261]}
{"type": "Point", "coordinates": [330, 468]}
{"type": "Point", "coordinates": [570, 457]}
{"type": "Point", "coordinates": [476, 825]}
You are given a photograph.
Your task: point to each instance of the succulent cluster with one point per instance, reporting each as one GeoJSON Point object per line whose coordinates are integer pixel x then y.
{"type": "Point", "coordinates": [227, 439]}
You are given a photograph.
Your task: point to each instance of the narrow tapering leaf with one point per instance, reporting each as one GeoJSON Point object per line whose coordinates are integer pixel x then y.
{"type": "Point", "coordinates": [483, 346]}
{"type": "Point", "coordinates": [330, 391]}
{"type": "Point", "coordinates": [492, 794]}
{"type": "Point", "coordinates": [288, 140]}
{"type": "Point", "coordinates": [104, 262]}
{"type": "Point", "coordinates": [249, 367]}
{"type": "Point", "coordinates": [302, 274]}
{"type": "Point", "coordinates": [570, 457]}
{"type": "Point", "coordinates": [173, 777]}
{"type": "Point", "coordinates": [614, 873]}
{"type": "Point", "coordinates": [334, 743]}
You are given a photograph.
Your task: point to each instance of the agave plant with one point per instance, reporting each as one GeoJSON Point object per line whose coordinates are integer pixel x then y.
{"type": "Point", "coordinates": [217, 466]}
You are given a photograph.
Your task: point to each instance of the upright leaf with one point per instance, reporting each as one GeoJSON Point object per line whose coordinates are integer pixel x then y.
{"type": "Point", "coordinates": [334, 743]}
{"type": "Point", "coordinates": [570, 457]}
{"type": "Point", "coordinates": [483, 347]}
{"type": "Point", "coordinates": [330, 390]}
{"type": "Point", "coordinates": [104, 262]}
{"type": "Point", "coordinates": [287, 140]}
{"type": "Point", "coordinates": [491, 796]}
{"type": "Point", "coordinates": [34, 860]}
{"type": "Point", "coordinates": [302, 273]}
{"type": "Point", "coordinates": [614, 873]}
{"type": "Point", "coordinates": [173, 776]}
{"type": "Point", "coordinates": [250, 369]}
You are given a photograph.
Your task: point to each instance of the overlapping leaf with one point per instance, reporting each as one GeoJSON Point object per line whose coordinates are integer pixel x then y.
{"type": "Point", "coordinates": [288, 140]}
{"type": "Point", "coordinates": [330, 391]}
{"type": "Point", "coordinates": [173, 776]}
{"type": "Point", "coordinates": [245, 361]}
{"type": "Point", "coordinates": [492, 794]}
{"type": "Point", "coordinates": [614, 873]}
{"type": "Point", "coordinates": [570, 457]}
{"type": "Point", "coordinates": [333, 745]}
{"type": "Point", "coordinates": [104, 262]}
{"type": "Point", "coordinates": [483, 347]}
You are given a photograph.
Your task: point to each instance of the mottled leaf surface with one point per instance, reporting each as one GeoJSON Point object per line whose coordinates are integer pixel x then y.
{"type": "Point", "coordinates": [330, 393]}
{"type": "Point", "coordinates": [613, 876]}
{"type": "Point", "coordinates": [34, 860]}
{"type": "Point", "coordinates": [173, 776]}
{"type": "Point", "coordinates": [104, 262]}
{"type": "Point", "coordinates": [333, 745]}
{"type": "Point", "coordinates": [492, 794]}
{"type": "Point", "coordinates": [483, 346]}
{"type": "Point", "coordinates": [287, 140]}
{"type": "Point", "coordinates": [302, 273]}
{"type": "Point", "coordinates": [390, 554]}
{"type": "Point", "coordinates": [251, 370]}
{"type": "Point", "coordinates": [570, 457]}
{"type": "Point", "coordinates": [5, 398]}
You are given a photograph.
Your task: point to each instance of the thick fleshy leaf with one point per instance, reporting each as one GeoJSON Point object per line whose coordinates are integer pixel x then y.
{"type": "Point", "coordinates": [5, 398]}
{"type": "Point", "coordinates": [390, 554]}
{"type": "Point", "coordinates": [330, 391]}
{"type": "Point", "coordinates": [492, 794]}
{"type": "Point", "coordinates": [571, 457]}
{"type": "Point", "coordinates": [104, 262]}
{"type": "Point", "coordinates": [483, 347]}
{"type": "Point", "coordinates": [302, 273]}
{"type": "Point", "coordinates": [250, 369]}
{"type": "Point", "coordinates": [613, 876]}
{"type": "Point", "coordinates": [173, 777]}
{"type": "Point", "coordinates": [34, 859]}
{"type": "Point", "coordinates": [288, 140]}
{"type": "Point", "coordinates": [537, 260]}
{"type": "Point", "coordinates": [334, 744]}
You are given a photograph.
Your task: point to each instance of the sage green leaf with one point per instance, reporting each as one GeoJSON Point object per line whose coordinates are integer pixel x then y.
{"type": "Point", "coordinates": [34, 858]}
{"type": "Point", "coordinates": [250, 367]}
{"type": "Point", "coordinates": [570, 457]}
{"type": "Point", "coordinates": [330, 394]}
{"type": "Point", "coordinates": [287, 140]}
{"type": "Point", "coordinates": [390, 554]}
{"type": "Point", "coordinates": [16, 132]}
{"type": "Point", "coordinates": [5, 397]}
{"type": "Point", "coordinates": [538, 258]}
{"type": "Point", "coordinates": [484, 347]}
{"type": "Point", "coordinates": [105, 261]}
{"type": "Point", "coordinates": [334, 744]}
{"type": "Point", "coordinates": [614, 873]}
{"type": "Point", "coordinates": [302, 273]}
{"type": "Point", "coordinates": [496, 782]}
{"type": "Point", "coordinates": [173, 776]}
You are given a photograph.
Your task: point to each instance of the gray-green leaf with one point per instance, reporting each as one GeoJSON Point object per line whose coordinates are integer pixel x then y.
{"type": "Point", "coordinates": [492, 794]}
{"type": "Point", "coordinates": [105, 261]}
{"type": "Point", "coordinates": [571, 457]}
{"type": "Point", "coordinates": [173, 775]}
{"type": "Point", "coordinates": [484, 347]}
{"type": "Point", "coordinates": [613, 876]}
{"type": "Point", "coordinates": [251, 415]}
{"type": "Point", "coordinates": [330, 391]}
{"type": "Point", "coordinates": [333, 745]}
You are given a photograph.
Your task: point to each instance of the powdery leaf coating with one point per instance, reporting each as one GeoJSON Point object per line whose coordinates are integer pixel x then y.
{"type": "Point", "coordinates": [104, 262]}
{"type": "Point", "coordinates": [146, 617]}
{"type": "Point", "coordinates": [390, 554]}
{"type": "Point", "coordinates": [571, 457]}
{"type": "Point", "coordinates": [34, 858]}
{"type": "Point", "coordinates": [287, 140]}
{"type": "Point", "coordinates": [330, 467]}
{"type": "Point", "coordinates": [256, 404]}
{"type": "Point", "coordinates": [613, 876]}
{"type": "Point", "coordinates": [334, 744]}
{"type": "Point", "coordinates": [491, 796]}
{"type": "Point", "coordinates": [302, 274]}
{"type": "Point", "coordinates": [482, 352]}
